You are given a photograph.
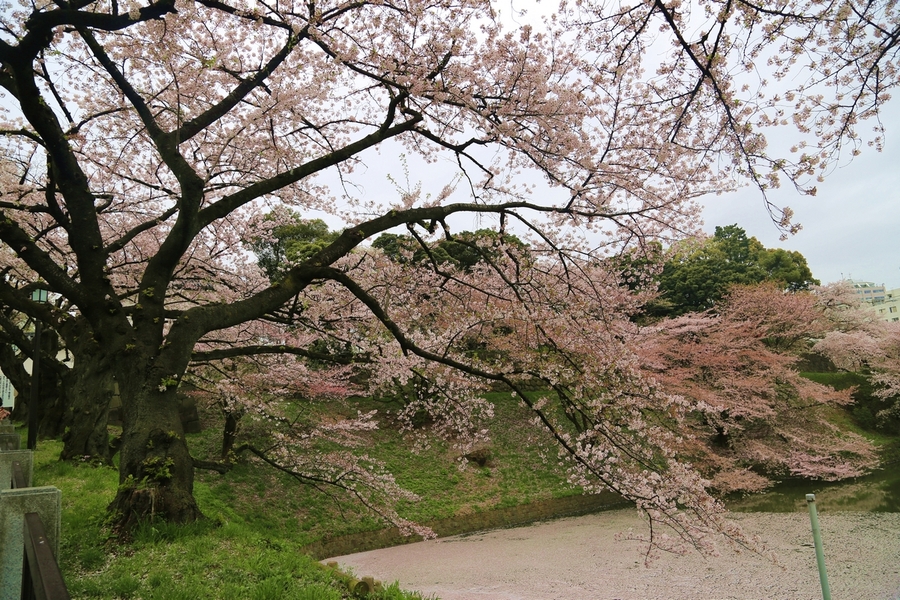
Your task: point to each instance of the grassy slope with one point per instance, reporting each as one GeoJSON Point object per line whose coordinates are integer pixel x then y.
{"type": "Point", "coordinates": [217, 558]}
{"type": "Point", "coordinates": [859, 417]}
{"type": "Point", "coordinates": [258, 520]}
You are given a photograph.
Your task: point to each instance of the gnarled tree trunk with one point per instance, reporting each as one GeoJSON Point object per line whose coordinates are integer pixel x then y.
{"type": "Point", "coordinates": [88, 389]}
{"type": "Point", "coordinates": [51, 396]}
{"type": "Point", "coordinates": [156, 473]}
{"type": "Point", "coordinates": [86, 434]}
{"type": "Point", "coordinates": [229, 433]}
{"type": "Point", "coordinates": [14, 369]}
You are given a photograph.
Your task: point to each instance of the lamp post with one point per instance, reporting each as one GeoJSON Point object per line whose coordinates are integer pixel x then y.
{"type": "Point", "coordinates": [38, 295]}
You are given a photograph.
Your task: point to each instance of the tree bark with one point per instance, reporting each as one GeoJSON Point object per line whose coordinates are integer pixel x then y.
{"type": "Point", "coordinates": [14, 369]}
{"type": "Point", "coordinates": [53, 404]}
{"type": "Point", "coordinates": [89, 390]}
{"type": "Point", "coordinates": [229, 433]}
{"type": "Point", "coordinates": [156, 472]}
{"type": "Point", "coordinates": [86, 434]}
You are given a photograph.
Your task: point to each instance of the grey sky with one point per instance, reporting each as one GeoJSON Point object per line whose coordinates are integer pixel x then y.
{"type": "Point", "coordinates": [850, 228]}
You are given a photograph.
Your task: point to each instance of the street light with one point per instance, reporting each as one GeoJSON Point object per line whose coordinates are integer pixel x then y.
{"type": "Point", "coordinates": [38, 295]}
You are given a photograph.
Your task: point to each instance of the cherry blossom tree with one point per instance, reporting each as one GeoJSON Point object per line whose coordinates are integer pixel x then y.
{"type": "Point", "coordinates": [277, 399]}
{"type": "Point", "coordinates": [783, 320]}
{"type": "Point", "coordinates": [755, 417]}
{"type": "Point", "coordinates": [140, 139]}
{"type": "Point", "coordinates": [836, 61]}
{"type": "Point", "coordinates": [860, 342]}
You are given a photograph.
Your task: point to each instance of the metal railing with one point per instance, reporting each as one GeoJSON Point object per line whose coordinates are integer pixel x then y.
{"type": "Point", "coordinates": [41, 577]}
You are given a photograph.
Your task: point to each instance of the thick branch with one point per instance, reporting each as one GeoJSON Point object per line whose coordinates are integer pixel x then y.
{"type": "Point", "coordinates": [223, 353]}
{"type": "Point", "coordinates": [219, 110]}
{"type": "Point", "coordinates": [41, 23]}
{"type": "Point", "coordinates": [228, 204]}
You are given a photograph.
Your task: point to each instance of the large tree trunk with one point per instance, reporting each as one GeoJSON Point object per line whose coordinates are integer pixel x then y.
{"type": "Point", "coordinates": [156, 473]}
{"type": "Point", "coordinates": [89, 390]}
{"type": "Point", "coordinates": [52, 404]}
{"type": "Point", "coordinates": [86, 435]}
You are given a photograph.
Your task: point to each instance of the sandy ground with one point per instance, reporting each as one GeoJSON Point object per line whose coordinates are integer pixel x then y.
{"type": "Point", "coordinates": [581, 559]}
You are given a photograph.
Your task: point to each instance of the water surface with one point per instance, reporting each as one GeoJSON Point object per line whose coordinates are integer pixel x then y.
{"type": "Point", "coordinates": [877, 492]}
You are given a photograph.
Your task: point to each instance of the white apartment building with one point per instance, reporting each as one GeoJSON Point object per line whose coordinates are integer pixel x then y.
{"type": "Point", "coordinates": [886, 303]}
{"type": "Point", "coordinates": [889, 308]}
{"type": "Point", "coordinates": [868, 291]}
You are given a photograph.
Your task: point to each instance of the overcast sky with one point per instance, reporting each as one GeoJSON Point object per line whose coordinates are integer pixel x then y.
{"type": "Point", "coordinates": [850, 228]}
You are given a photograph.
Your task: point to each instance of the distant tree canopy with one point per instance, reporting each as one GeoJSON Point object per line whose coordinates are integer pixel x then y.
{"type": "Point", "coordinates": [698, 276]}
{"type": "Point", "coordinates": [291, 243]}
{"type": "Point", "coordinates": [464, 250]}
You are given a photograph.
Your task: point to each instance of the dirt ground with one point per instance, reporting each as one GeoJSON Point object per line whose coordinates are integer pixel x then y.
{"type": "Point", "coordinates": [581, 559]}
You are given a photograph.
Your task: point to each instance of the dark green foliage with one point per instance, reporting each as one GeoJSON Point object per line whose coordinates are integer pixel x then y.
{"type": "Point", "coordinates": [399, 248]}
{"type": "Point", "coordinates": [699, 276]}
{"type": "Point", "coordinates": [636, 266]}
{"type": "Point", "coordinates": [464, 250]}
{"type": "Point", "coordinates": [787, 267]}
{"type": "Point", "coordinates": [294, 243]}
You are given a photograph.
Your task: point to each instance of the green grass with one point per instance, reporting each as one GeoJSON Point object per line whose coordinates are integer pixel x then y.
{"type": "Point", "coordinates": [839, 380]}
{"type": "Point", "coordinates": [213, 558]}
{"type": "Point", "coordinates": [514, 475]}
{"type": "Point", "coordinates": [257, 520]}
{"type": "Point", "coordinates": [227, 555]}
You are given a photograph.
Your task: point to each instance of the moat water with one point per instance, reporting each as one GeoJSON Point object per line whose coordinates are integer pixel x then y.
{"type": "Point", "coordinates": [877, 492]}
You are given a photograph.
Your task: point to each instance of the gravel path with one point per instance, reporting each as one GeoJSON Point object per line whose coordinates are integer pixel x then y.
{"type": "Point", "coordinates": [580, 559]}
